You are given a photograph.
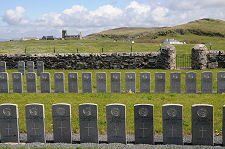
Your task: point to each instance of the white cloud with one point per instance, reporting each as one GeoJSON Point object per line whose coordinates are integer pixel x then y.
{"type": "Point", "coordinates": [15, 17]}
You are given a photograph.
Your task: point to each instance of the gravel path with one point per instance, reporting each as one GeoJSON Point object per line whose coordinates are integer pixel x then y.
{"type": "Point", "coordinates": [103, 143]}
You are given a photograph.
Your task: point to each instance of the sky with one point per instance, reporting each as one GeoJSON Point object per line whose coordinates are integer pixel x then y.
{"type": "Point", "coordinates": [37, 18]}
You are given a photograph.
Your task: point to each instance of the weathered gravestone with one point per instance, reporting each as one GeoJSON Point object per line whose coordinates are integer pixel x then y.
{"type": "Point", "coordinates": [45, 82]}
{"type": "Point", "coordinates": [59, 82]}
{"type": "Point", "coordinates": [221, 82]}
{"type": "Point", "coordinates": [73, 82]}
{"type": "Point", "coordinates": [9, 122]}
{"type": "Point", "coordinates": [116, 123]}
{"type": "Point", "coordinates": [31, 82]}
{"type": "Point", "coordinates": [17, 82]}
{"type": "Point", "coordinates": [145, 79]}
{"type": "Point", "coordinates": [175, 82]}
{"type": "Point", "coordinates": [21, 67]}
{"type": "Point", "coordinates": [191, 82]}
{"type": "Point", "coordinates": [62, 128]}
{"type": "Point", "coordinates": [115, 82]}
{"type": "Point", "coordinates": [202, 124]}
{"type": "Point", "coordinates": [101, 82]}
{"type": "Point", "coordinates": [223, 127]}
{"type": "Point", "coordinates": [35, 123]}
{"type": "Point", "coordinates": [88, 119]}
{"type": "Point", "coordinates": [130, 81]}
{"type": "Point", "coordinates": [4, 82]}
{"type": "Point", "coordinates": [207, 82]}
{"type": "Point", "coordinates": [172, 116]}
{"type": "Point", "coordinates": [86, 82]}
{"type": "Point", "coordinates": [2, 66]}
{"type": "Point", "coordinates": [160, 82]}
{"type": "Point", "coordinates": [144, 123]}
{"type": "Point", "coordinates": [30, 66]}
{"type": "Point", "coordinates": [40, 67]}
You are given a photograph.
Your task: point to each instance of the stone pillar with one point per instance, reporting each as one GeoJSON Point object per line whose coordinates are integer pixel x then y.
{"type": "Point", "coordinates": [199, 57]}
{"type": "Point", "coordinates": [167, 57]}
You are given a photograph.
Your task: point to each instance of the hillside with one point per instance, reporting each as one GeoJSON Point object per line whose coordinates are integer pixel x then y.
{"type": "Point", "coordinates": [202, 27]}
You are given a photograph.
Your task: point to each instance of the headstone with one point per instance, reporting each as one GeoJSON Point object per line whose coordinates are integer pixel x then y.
{"type": "Point", "coordinates": [101, 82]}
{"type": "Point", "coordinates": [160, 82]}
{"type": "Point", "coordinates": [30, 66]}
{"type": "Point", "coordinates": [59, 82]}
{"type": "Point", "coordinates": [191, 82]}
{"type": "Point", "coordinates": [145, 79]}
{"type": "Point", "coordinates": [31, 82]}
{"type": "Point", "coordinates": [221, 82]}
{"type": "Point", "coordinates": [21, 67]}
{"type": "Point", "coordinates": [2, 66]}
{"type": "Point", "coordinates": [172, 124]}
{"type": "Point", "coordinates": [45, 82]}
{"type": "Point", "coordinates": [35, 123]}
{"type": "Point", "coordinates": [88, 119]}
{"type": "Point", "coordinates": [86, 82]}
{"type": "Point", "coordinates": [175, 82]}
{"type": "Point", "coordinates": [73, 82]}
{"type": "Point", "coordinates": [144, 123]}
{"type": "Point", "coordinates": [116, 123]}
{"type": "Point", "coordinates": [17, 82]}
{"type": "Point", "coordinates": [207, 82]}
{"type": "Point", "coordinates": [40, 67]}
{"type": "Point", "coordinates": [62, 128]}
{"type": "Point", "coordinates": [223, 127]}
{"type": "Point", "coordinates": [202, 124]}
{"type": "Point", "coordinates": [4, 82]}
{"type": "Point", "coordinates": [9, 122]}
{"type": "Point", "coordinates": [115, 82]}
{"type": "Point", "coordinates": [130, 81]}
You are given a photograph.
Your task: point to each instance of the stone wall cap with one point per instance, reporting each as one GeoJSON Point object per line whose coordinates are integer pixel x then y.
{"type": "Point", "coordinates": [200, 47]}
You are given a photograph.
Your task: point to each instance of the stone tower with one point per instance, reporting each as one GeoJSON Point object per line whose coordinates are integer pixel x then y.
{"type": "Point", "coordinates": [64, 34]}
{"type": "Point", "coordinates": [81, 36]}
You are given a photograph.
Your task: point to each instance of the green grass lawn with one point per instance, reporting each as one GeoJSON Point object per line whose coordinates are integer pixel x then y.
{"type": "Point", "coordinates": [129, 99]}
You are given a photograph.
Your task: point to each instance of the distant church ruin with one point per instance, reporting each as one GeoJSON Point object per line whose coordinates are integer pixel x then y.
{"type": "Point", "coordinates": [68, 37]}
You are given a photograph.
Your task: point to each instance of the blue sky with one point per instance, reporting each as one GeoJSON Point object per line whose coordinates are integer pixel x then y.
{"type": "Point", "coordinates": [48, 17]}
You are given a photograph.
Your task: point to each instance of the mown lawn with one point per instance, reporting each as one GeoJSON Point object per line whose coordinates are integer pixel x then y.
{"type": "Point", "coordinates": [129, 99]}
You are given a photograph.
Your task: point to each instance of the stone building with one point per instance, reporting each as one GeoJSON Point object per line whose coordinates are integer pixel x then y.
{"type": "Point", "coordinates": [66, 37]}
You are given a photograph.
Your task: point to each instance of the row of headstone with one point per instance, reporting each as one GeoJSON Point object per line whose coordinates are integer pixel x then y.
{"type": "Point", "coordinates": [101, 82]}
{"type": "Point", "coordinates": [172, 117]}
{"type": "Point", "coordinates": [21, 67]}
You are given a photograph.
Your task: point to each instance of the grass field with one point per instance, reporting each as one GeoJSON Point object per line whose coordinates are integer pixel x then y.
{"type": "Point", "coordinates": [129, 99]}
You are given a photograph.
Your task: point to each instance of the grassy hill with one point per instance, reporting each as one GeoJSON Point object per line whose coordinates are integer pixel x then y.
{"type": "Point", "coordinates": [205, 28]}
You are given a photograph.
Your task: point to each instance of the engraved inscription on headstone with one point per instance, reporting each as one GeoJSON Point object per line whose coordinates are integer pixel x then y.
{"type": "Point", "coordinates": [115, 82]}
{"type": "Point", "coordinates": [17, 82]}
{"type": "Point", "coordinates": [172, 124]}
{"type": "Point", "coordinates": [101, 81]}
{"type": "Point", "coordinates": [9, 122]}
{"type": "Point", "coordinates": [202, 124]}
{"type": "Point", "coordinates": [45, 82]}
{"type": "Point", "coordinates": [86, 82]}
{"type": "Point", "coordinates": [207, 82]}
{"type": "Point", "coordinates": [145, 79]}
{"type": "Point", "coordinates": [221, 82]}
{"type": "Point", "coordinates": [40, 67]}
{"type": "Point", "coordinates": [31, 82]}
{"type": "Point", "coordinates": [175, 82]}
{"type": "Point", "coordinates": [59, 82]}
{"type": "Point", "coordinates": [130, 81]}
{"type": "Point", "coordinates": [160, 82]}
{"type": "Point", "coordinates": [35, 123]}
{"type": "Point", "coordinates": [21, 67]}
{"type": "Point", "coordinates": [62, 128]}
{"type": "Point", "coordinates": [2, 66]}
{"type": "Point", "coordinates": [116, 123]}
{"type": "Point", "coordinates": [73, 82]}
{"type": "Point", "coordinates": [88, 119]}
{"type": "Point", "coordinates": [30, 66]}
{"type": "Point", "coordinates": [144, 123]}
{"type": "Point", "coordinates": [4, 82]}
{"type": "Point", "coordinates": [191, 82]}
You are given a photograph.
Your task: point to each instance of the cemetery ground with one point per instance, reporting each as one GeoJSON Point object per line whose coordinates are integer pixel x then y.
{"type": "Point", "coordinates": [129, 99]}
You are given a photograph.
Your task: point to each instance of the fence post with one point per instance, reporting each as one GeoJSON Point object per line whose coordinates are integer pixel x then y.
{"type": "Point", "coordinates": [102, 50]}
{"type": "Point", "coordinates": [25, 50]}
{"type": "Point", "coordinates": [77, 50]}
